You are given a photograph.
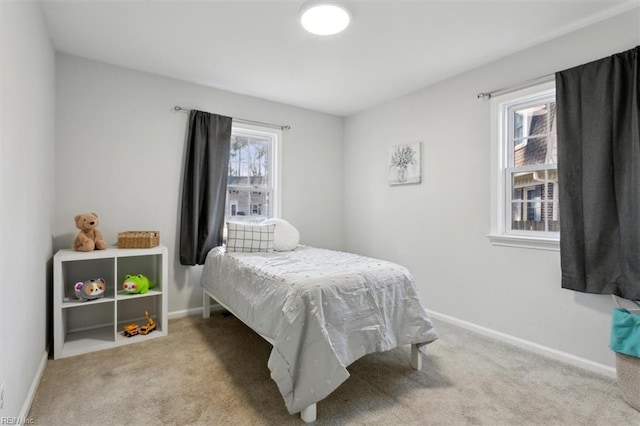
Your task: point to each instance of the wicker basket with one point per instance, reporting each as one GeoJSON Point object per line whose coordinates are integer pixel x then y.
{"type": "Point", "coordinates": [628, 373]}
{"type": "Point", "coordinates": [138, 239]}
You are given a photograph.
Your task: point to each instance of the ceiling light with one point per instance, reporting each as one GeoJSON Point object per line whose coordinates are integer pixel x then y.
{"type": "Point", "coordinates": [324, 18]}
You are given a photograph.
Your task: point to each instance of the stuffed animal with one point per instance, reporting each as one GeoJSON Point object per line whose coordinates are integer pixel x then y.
{"type": "Point", "coordinates": [137, 284]}
{"type": "Point", "coordinates": [89, 238]}
{"type": "Point", "coordinates": [90, 289]}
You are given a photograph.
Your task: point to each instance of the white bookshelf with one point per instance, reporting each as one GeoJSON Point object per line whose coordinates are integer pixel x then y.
{"type": "Point", "coordinates": [81, 327]}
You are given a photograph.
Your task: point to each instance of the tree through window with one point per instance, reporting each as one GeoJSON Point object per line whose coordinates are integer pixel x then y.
{"type": "Point", "coordinates": [251, 186]}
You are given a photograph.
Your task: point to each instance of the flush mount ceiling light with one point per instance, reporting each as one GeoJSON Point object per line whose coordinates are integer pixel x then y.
{"type": "Point", "coordinates": [324, 18]}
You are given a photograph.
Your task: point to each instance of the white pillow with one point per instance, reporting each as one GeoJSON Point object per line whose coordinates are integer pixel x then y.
{"type": "Point", "coordinates": [250, 238]}
{"type": "Point", "coordinates": [286, 237]}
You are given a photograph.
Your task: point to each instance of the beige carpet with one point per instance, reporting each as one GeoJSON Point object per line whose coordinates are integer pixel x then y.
{"type": "Point", "coordinates": [214, 372]}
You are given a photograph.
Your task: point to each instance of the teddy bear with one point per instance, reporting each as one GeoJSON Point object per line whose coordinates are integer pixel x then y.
{"type": "Point", "coordinates": [89, 238]}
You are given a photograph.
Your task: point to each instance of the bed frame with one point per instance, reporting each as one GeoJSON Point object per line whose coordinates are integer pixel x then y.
{"type": "Point", "coordinates": [309, 413]}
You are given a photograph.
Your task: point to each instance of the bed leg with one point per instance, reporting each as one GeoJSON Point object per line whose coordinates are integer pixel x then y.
{"type": "Point", "coordinates": [206, 305]}
{"type": "Point", "coordinates": [309, 414]}
{"type": "Point", "coordinates": [416, 358]}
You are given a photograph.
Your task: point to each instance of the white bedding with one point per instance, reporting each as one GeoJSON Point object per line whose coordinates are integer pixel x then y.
{"type": "Point", "coordinates": [323, 309]}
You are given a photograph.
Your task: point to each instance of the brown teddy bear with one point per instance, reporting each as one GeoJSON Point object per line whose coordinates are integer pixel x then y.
{"type": "Point", "coordinates": [89, 238]}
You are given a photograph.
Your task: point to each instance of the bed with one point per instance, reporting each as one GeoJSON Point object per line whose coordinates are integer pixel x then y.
{"type": "Point", "coordinates": [321, 310]}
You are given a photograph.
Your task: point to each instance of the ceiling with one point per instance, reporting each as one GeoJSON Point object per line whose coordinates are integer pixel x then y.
{"type": "Point", "coordinates": [258, 48]}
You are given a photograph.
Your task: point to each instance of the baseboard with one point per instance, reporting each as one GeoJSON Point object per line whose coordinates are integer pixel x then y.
{"type": "Point", "coordinates": [548, 352]}
{"type": "Point", "coordinates": [193, 311]}
{"type": "Point", "coordinates": [26, 406]}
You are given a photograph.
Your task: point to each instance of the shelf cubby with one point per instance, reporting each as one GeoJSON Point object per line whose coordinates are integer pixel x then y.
{"type": "Point", "coordinates": [87, 326]}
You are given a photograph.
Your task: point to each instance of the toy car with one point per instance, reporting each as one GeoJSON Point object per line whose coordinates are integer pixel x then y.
{"type": "Point", "coordinates": [134, 329]}
{"type": "Point", "coordinates": [131, 330]}
{"type": "Point", "coordinates": [151, 325]}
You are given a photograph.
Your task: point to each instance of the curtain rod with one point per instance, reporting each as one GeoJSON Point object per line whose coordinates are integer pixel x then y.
{"type": "Point", "coordinates": [242, 120]}
{"type": "Point", "coordinates": [513, 87]}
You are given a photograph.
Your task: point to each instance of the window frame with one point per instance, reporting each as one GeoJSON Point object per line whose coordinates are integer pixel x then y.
{"type": "Point", "coordinates": [274, 168]}
{"type": "Point", "coordinates": [501, 233]}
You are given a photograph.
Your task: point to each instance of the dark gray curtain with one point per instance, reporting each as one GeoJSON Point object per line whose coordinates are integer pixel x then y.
{"type": "Point", "coordinates": [599, 175]}
{"type": "Point", "coordinates": [204, 187]}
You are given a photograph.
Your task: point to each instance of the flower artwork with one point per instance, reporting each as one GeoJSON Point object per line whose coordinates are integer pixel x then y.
{"type": "Point", "coordinates": [404, 164]}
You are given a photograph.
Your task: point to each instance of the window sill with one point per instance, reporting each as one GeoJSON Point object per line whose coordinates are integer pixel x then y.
{"type": "Point", "coordinates": [525, 241]}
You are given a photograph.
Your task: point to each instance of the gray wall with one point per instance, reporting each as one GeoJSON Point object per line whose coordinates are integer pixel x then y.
{"type": "Point", "coordinates": [26, 197]}
{"type": "Point", "coordinates": [438, 228]}
{"type": "Point", "coordinates": [120, 150]}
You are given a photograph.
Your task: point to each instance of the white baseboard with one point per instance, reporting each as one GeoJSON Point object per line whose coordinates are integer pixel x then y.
{"type": "Point", "coordinates": [26, 406]}
{"type": "Point", "coordinates": [546, 351]}
{"type": "Point", "coordinates": [193, 311]}
{"type": "Point", "coordinates": [557, 355]}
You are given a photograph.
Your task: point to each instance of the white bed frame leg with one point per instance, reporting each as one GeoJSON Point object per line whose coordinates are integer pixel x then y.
{"type": "Point", "coordinates": [206, 305]}
{"type": "Point", "coordinates": [309, 414]}
{"type": "Point", "coordinates": [416, 358]}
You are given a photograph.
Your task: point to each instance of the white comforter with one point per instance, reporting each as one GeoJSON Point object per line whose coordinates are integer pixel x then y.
{"type": "Point", "coordinates": [323, 309]}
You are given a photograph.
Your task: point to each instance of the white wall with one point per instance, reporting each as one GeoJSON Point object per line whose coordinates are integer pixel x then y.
{"type": "Point", "coordinates": [120, 150]}
{"type": "Point", "coordinates": [26, 197]}
{"type": "Point", "coordinates": [438, 228]}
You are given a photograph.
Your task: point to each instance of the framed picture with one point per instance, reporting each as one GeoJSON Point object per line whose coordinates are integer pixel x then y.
{"type": "Point", "coordinates": [405, 164]}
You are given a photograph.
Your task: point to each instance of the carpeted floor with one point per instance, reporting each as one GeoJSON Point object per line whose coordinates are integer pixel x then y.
{"type": "Point", "coordinates": [214, 372]}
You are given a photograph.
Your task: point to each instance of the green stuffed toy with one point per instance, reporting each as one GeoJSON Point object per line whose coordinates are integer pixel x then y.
{"type": "Point", "coordinates": [134, 284]}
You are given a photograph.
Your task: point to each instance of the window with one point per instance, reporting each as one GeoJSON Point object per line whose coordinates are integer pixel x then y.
{"type": "Point", "coordinates": [252, 189]}
{"type": "Point", "coordinates": [524, 169]}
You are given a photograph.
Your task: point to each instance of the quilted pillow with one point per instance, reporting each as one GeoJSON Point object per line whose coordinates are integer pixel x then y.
{"type": "Point", "coordinates": [249, 238]}
{"type": "Point", "coordinates": [286, 237]}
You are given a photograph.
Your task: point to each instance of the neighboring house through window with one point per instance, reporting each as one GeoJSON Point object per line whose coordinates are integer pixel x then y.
{"type": "Point", "coordinates": [524, 169]}
{"type": "Point", "coordinates": [252, 189]}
